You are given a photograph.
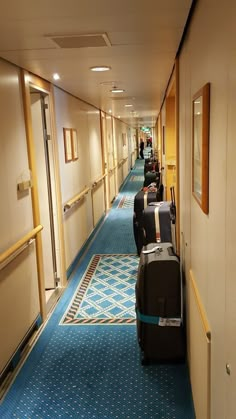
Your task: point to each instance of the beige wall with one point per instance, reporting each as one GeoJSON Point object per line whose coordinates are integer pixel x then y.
{"type": "Point", "coordinates": [208, 55]}
{"type": "Point", "coordinates": [119, 129]}
{"type": "Point", "coordinates": [19, 280]}
{"type": "Point", "coordinates": [76, 175]}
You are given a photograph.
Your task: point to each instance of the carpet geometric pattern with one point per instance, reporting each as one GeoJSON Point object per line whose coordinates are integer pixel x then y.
{"type": "Point", "coordinates": [106, 292]}
{"type": "Point", "coordinates": [127, 201]}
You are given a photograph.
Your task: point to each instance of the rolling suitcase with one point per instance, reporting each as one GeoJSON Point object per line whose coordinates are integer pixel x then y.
{"type": "Point", "coordinates": [159, 304]}
{"type": "Point", "coordinates": [141, 200]}
{"type": "Point", "coordinates": [159, 222]}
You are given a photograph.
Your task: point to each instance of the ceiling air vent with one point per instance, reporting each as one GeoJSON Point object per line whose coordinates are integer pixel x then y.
{"type": "Point", "coordinates": [81, 41]}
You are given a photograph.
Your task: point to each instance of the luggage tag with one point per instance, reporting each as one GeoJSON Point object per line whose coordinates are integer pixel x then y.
{"type": "Point", "coordinates": [153, 250]}
{"type": "Point", "coordinates": [174, 322]}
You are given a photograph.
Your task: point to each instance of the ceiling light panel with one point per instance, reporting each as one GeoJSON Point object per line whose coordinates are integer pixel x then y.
{"type": "Point", "coordinates": [100, 68]}
{"type": "Point", "coordinates": [116, 90]}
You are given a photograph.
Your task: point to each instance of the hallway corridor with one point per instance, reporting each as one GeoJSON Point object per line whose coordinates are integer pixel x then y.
{"type": "Point", "coordinates": [86, 361]}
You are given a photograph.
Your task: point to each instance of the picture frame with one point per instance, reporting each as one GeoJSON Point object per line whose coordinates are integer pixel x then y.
{"type": "Point", "coordinates": [74, 141]}
{"type": "Point", "coordinates": [67, 144]}
{"type": "Point", "coordinates": [200, 147]}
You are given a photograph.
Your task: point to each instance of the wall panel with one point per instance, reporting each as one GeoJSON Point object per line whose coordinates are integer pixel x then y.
{"type": "Point", "coordinates": [98, 198]}
{"type": "Point", "coordinates": [76, 175]}
{"type": "Point", "coordinates": [19, 300]}
{"type": "Point", "coordinates": [76, 231]}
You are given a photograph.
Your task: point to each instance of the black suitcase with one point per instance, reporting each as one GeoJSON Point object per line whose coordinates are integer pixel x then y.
{"type": "Point", "coordinates": [141, 200]}
{"type": "Point", "coordinates": [159, 221]}
{"type": "Point", "coordinates": [159, 305]}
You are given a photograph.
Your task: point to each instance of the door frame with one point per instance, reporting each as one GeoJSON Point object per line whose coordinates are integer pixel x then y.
{"type": "Point", "coordinates": [172, 94]}
{"type": "Point", "coordinates": [30, 80]}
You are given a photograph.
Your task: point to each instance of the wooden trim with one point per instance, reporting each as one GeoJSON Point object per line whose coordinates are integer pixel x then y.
{"type": "Point", "coordinates": [67, 145]}
{"type": "Point", "coordinates": [58, 191]}
{"type": "Point", "coordinates": [113, 169]}
{"type": "Point", "coordinates": [177, 195]}
{"type": "Point", "coordinates": [104, 158]}
{"type": "Point", "coordinates": [172, 101]}
{"type": "Point", "coordinates": [96, 182]}
{"type": "Point", "coordinates": [203, 202]}
{"type": "Point", "coordinates": [200, 306]}
{"type": "Point", "coordinates": [20, 243]}
{"type": "Point", "coordinates": [161, 139]}
{"type": "Point", "coordinates": [199, 351]}
{"type": "Point", "coordinates": [25, 80]}
{"type": "Point", "coordinates": [38, 83]}
{"type": "Point", "coordinates": [69, 204]}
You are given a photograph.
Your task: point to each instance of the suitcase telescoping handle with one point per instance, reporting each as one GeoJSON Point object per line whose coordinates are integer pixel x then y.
{"type": "Point", "coordinates": [154, 249]}
{"type": "Point", "coordinates": [173, 215]}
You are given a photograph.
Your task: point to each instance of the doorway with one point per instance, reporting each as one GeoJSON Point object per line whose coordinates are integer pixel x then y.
{"type": "Point", "coordinates": [40, 116]}
{"type": "Point", "coordinates": [170, 146]}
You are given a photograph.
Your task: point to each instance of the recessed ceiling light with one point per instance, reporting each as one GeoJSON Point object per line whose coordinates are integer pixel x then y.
{"type": "Point", "coordinates": [109, 110]}
{"type": "Point", "coordinates": [56, 76]}
{"type": "Point", "coordinates": [128, 106]}
{"type": "Point", "coordinates": [119, 116]}
{"type": "Point", "coordinates": [100, 68]}
{"type": "Point", "coordinates": [116, 90]}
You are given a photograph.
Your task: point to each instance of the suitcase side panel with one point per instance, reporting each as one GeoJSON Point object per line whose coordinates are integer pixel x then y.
{"type": "Point", "coordinates": [158, 293]}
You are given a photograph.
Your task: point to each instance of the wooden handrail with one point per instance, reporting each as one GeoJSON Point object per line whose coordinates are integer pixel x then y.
{"type": "Point", "coordinates": [200, 306]}
{"type": "Point", "coordinates": [120, 162]}
{"type": "Point", "coordinates": [75, 199]}
{"type": "Point", "coordinates": [20, 243]}
{"type": "Point", "coordinates": [113, 169]}
{"type": "Point", "coordinates": [96, 182]}
{"type": "Point", "coordinates": [124, 160]}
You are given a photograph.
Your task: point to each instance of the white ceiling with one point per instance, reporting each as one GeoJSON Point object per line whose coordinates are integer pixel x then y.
{"type": "Point", "coordinates": [144, 37]}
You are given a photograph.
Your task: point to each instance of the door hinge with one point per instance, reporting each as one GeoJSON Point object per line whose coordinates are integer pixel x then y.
{"type": "Point", "coordinates": [45, 105]}
{"type": "Point", "coordinates": [48, 137]}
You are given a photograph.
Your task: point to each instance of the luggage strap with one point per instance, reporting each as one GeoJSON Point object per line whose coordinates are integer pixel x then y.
{"type": "Point", "coordinates": [145, 199]}
{"type": "Point", "coordinates": [160, 321]}
{"type": "Point", "coordinates": [157, 224]}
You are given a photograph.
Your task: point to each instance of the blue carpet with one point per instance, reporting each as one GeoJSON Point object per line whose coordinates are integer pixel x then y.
{"type": "Point", "coordinates": [94, 371]}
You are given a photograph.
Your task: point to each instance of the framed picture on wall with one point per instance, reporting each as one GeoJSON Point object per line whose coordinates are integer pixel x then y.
{"type": "Point", "coordinates": [67, 144]}
{"type": "Point", "coordinates": [200, 147]}
{"type": "Point", "coordinates": [74, 141]}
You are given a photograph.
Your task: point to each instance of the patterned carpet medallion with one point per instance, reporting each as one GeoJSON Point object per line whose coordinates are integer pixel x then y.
{"type": "Point", "coordinates": [106, 294]}
{"type": "Point", "coordinates": [126, 201]}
